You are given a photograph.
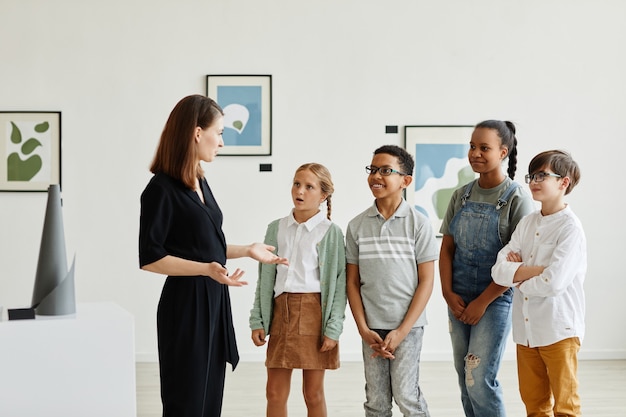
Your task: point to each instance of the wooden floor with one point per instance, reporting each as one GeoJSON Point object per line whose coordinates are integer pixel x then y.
{"type": "Point", "coordinates": [602, 388]}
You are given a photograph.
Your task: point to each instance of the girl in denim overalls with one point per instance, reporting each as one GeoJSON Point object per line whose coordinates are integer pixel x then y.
{"type": "Point", "coordinates": [479, 221]}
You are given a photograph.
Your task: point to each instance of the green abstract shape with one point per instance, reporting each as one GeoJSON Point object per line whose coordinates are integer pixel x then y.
{"type": "Point", "coordinates": [18, 170]}
{"type": "Point", "coordinates": [238, 124]}
{"type": "Point", "coordinates": [42, 127]}
{"type": "Point", "coordinates": [30, 145]}
{"type": "Point", "coordinates": [16, 135]}
{"type": "Point", "coordinates": [442, 197]}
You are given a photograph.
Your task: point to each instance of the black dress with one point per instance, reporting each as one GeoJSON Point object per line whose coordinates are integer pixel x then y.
{"type": "Point", "coordinates": [194, 322]}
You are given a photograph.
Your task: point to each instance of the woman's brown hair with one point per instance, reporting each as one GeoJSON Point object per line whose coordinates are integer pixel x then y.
{"type": "Point", "coordinates": [176, 154]}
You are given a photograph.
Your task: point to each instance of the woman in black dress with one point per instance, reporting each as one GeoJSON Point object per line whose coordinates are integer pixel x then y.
{"type": "Point", "coordinates": [180, 235]}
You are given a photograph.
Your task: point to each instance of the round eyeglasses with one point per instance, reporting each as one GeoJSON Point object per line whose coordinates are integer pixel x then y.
{"type": "Point", "coordinates": [539, 176]}
{"type": "Point", "coordinates": [385, 171]}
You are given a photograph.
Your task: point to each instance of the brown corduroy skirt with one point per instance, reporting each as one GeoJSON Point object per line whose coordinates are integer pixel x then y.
{"type": "Point", "coordinates": [296, 334]}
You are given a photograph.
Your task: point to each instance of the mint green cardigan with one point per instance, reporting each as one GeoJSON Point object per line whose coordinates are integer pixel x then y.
{"type": "Point", "coordinates": [332, 264]}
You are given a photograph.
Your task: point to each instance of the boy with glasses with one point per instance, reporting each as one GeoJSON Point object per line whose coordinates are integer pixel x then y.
{"type": "Point", "coordinates": [546, 262]}
{"type": "Point", "coordinates": [391, 252]}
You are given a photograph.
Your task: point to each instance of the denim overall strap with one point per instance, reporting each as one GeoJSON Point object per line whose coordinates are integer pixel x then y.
{"type": "Point", "coordinates": [475, 229]}
{"type": "Point", "coordinates": [504, 199]}
{"type": "Point", "coordinates": [468, 190]}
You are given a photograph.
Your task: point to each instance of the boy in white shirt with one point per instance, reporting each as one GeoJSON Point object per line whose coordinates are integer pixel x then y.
{"type": "Point", "coordinates": [546, 262]}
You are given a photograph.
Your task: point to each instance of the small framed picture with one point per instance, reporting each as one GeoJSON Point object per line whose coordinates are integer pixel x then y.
{"type": "Point", "coordinates": [30, 150]}
{"type": "Point", "coordinates": [441, 166]}
{"type": "Point", "coordinates": [247, 104]}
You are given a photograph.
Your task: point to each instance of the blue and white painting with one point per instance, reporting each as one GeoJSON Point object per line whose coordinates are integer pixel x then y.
{"type": "Point", "coordinates": [439, 170]}
{"type": "Point", "coordinates": [242, 114]}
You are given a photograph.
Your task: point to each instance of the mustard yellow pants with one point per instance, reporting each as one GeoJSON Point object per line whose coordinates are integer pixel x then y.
{"type": "Point", "coordinates": [547, 379]}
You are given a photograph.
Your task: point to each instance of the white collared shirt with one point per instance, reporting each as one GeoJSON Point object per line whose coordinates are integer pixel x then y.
{"type": "Point", "coordinates": [550, 307]}
{"type": "Point", "coordinates": [298, 243]}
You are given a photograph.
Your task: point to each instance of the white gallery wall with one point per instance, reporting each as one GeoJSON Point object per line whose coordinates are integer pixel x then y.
{"type": "Point", "coordinates": [341, 71]}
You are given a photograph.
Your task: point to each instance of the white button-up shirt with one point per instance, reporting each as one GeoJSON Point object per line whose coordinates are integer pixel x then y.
{"type": "Point", "coordinates": [550, 307]}
{"type": "Point", "coordinates": [298, 243]}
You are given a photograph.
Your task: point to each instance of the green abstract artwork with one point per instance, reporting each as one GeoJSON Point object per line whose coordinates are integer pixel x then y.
{"type": "Point", "coordinates": [30, 150]}
{"type": "Point", "coordinates": [24, 167]}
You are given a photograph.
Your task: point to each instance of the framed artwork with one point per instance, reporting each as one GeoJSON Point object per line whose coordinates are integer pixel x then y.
{"type": "Point", "coordinates": [247, 104]}
{"type": "Point", "coordinates": [441, 166]}
{"type": "Point", "coordinates": [30, 150]}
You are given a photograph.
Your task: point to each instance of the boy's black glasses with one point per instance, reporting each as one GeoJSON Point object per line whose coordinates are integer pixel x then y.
{"type": "Point", "coordinates": [539, 176]}
{"type": "Point", "coordinates": [385, 172]}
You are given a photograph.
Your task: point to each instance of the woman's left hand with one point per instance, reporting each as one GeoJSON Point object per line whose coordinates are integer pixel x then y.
{"type": "Point", "coordinates": [265, 254]}
{"type": "Point", "coordinates": [221, 275]}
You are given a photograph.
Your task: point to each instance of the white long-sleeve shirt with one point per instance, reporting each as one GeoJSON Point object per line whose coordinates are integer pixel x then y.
{"type": "Point", "coordinates": [298, 242]}
{"type": "Point", "coordinates": [550, 307]}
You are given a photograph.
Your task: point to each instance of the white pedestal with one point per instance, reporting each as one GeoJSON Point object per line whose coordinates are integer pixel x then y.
{"type": "Point", "coordinates": [73, 366]}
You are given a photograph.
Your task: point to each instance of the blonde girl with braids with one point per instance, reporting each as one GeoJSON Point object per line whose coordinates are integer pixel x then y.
{"type": "Point", "coordinates": [301, 306]}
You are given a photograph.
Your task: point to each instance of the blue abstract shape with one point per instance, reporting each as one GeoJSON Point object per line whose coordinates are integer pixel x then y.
{"type": "Point", "coordinates": [431, 159]}
{"type": "Point", "coordinates": [422, 210]}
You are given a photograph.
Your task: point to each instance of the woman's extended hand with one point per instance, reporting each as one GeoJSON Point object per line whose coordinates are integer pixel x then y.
{"type": "Point", "coordinates": [221, 275]}
{"type": "Point", "coordinates": [265, 254]}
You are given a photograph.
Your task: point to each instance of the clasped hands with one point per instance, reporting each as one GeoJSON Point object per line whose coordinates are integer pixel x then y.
{"type": "Point", "coordinates": [468, 314]}
{"type": "Point", "coordinates": [384, 348]}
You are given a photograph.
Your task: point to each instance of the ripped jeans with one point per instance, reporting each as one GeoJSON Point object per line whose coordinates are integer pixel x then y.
{"type": "Point", "coordinates": [477, 352]}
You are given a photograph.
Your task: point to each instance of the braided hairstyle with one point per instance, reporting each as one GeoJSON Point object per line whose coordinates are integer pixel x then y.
{"type": "Point", "coordinates": [506, 133]}
{"type": "Point", "coordinates": [326, 183]}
